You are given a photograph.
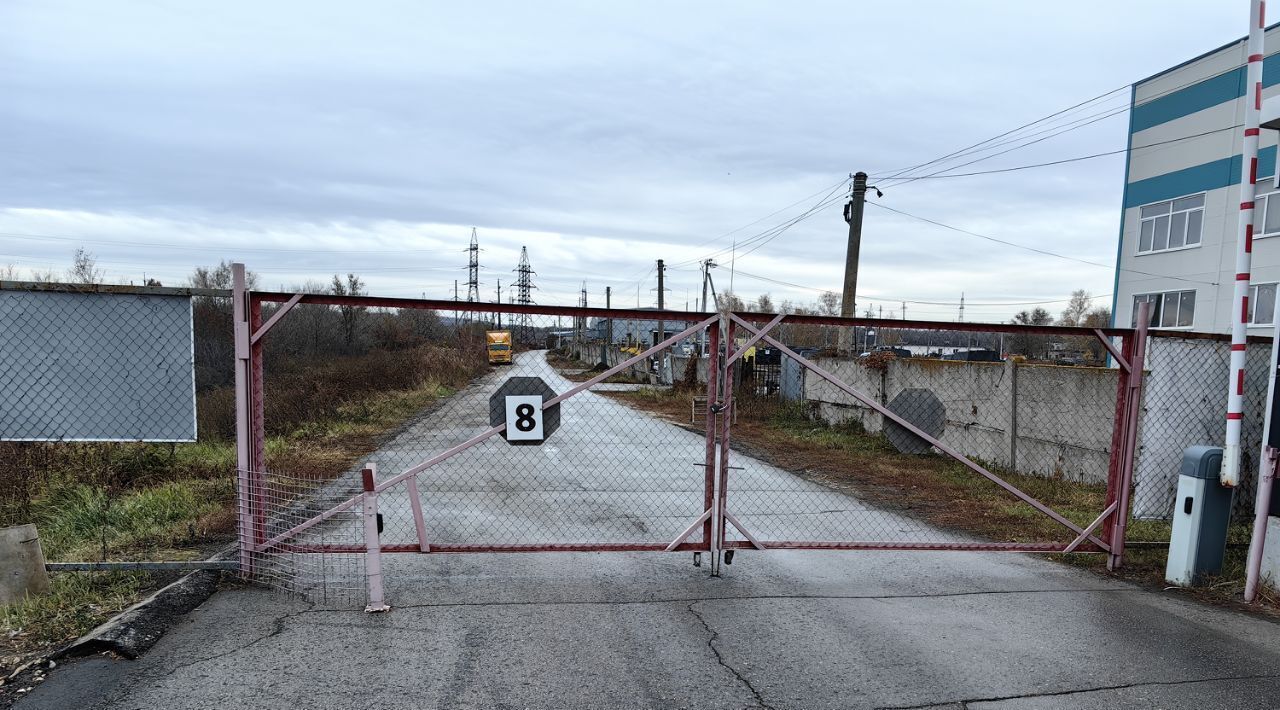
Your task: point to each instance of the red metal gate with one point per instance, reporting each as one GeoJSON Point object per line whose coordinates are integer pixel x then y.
{"type": "Point", "coordinates": [765, 508]}
{"type": "Point", "coordinates": [610, 479]}
{"type": "Point", "coordinates": [613, 479]}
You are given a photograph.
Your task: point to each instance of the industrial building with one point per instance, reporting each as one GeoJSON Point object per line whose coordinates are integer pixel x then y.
{"type": "Point", "coordinates": [1182, 195]}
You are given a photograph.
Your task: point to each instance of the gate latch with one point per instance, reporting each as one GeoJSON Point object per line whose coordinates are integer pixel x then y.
{"type": "Point", "coordinates": [379, 523]}
{"type": "Point", "coordinates": [717, 407]}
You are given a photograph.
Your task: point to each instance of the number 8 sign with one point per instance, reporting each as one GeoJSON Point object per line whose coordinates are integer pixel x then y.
{"type": "Point", "coordinates": [524, 417]}
{"type": "Point", "coordinates": [517, 403]}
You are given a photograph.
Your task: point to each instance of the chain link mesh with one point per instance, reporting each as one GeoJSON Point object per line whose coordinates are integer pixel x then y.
{"type": "Point", "coordinates": [607, 477]}
{"type": "Point", "coordinates": [95, 367]}
{"type": "Point", "coordinates": [1184, 403]}
{"type": "Point", "coordinates": [854, 475]}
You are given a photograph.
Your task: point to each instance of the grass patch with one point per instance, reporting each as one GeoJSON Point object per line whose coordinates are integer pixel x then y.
{"type": "Point", "coordinates": [75, 603]}
{"type": "Point", "coordinates": [177, 501]}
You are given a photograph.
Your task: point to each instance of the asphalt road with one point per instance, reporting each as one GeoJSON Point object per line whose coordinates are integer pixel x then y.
{"type": "Point", "coordinates": [778, 629]}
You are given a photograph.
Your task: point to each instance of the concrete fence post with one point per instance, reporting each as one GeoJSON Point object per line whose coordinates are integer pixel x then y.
{"type": "Point", "coordinates": [1013, 415]}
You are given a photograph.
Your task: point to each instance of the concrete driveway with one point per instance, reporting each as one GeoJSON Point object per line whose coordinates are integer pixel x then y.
{"type": "Point", "coordinates": [649, 630]}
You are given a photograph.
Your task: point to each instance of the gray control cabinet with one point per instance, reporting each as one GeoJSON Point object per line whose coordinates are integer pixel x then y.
{"type": "Point", "coordinates": [1201, 512]}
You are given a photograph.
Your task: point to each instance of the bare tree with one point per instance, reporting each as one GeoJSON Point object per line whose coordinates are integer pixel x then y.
{"type": "Point", "coordinates": [1076, 308]}
{"type": "Point", "coordinates": [84, 268]}
{"type": "Point", "coordinates": [764, 303]}
{"type": "Point", "coordinates": [351, 315]}
{"type": "Point", "coordinates": [1032, 346]}
{"type": "Point", "coordinates": [8, 272]}
{"type": "Point", "coordinates": [829, 303]}
{"type": "Point", "coordinates": [219, 277]}
{"type": "Point", "coordinates": [728, 301]}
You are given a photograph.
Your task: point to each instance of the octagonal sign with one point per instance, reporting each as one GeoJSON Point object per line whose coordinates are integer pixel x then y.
{"type": "Point", "coordinates": [518, 404]}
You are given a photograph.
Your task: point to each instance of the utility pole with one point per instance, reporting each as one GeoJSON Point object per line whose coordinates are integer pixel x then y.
{"type": "Point", "coordinates": [497, 315]}
{"type": "Point", "coordinates": [707, 266]}
{"type": "Point", "coordinates": [607, 340]}
{"type": "Point", "coordinates": [455, 290]}
{"type": "Point", "coordinates": [961, 318]}
{"type": "Point", "coordinates": [853, 215]}
{"type": "Point", "coordinates": [662, 301]}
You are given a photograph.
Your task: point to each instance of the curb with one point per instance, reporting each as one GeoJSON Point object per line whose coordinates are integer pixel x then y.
{"type": "Point", "coordinates": [135, 630]}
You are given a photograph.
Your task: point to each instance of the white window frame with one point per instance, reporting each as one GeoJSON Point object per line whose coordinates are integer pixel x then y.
{"type": "Point", "coordinates": [1253, 302]}
{"type": "Point", "coordinates": [1164, 297]}
{"type": "Point", "coordinates": [1261, 203]}
{"type": "Point", "coordinates": [1142, 221]}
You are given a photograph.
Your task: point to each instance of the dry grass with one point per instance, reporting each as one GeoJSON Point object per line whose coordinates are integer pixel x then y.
{"type": "Point", "coordinates": [945, 493]}
{"type": "Point", "coordinates": [177, 502]}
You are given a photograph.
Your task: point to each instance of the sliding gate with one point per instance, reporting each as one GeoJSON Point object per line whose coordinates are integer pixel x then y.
{"type": "Point", "coordinates": [524, 436]}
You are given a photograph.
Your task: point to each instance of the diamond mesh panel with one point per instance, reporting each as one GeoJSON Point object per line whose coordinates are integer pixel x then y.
{"type": "Point", "coordinates": [608, 477]}
{"type": "Point", "coordinates": [853, 474]}
{"type": "Point", "coordinates": [96, 367]}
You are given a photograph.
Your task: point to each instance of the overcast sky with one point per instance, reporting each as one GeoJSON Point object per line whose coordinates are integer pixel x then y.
{"type": "Point", "coordinates": [308, 138]}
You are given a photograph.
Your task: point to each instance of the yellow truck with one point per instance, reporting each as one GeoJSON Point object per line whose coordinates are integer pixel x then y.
{"type": "Point", "coordinates": [499, 346]}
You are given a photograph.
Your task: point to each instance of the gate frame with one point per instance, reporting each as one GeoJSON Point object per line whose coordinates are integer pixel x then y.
{"type": "Point", "coordinates": [1115, 514]}
{"type": "Point", "coordinates": [1106, 534]}
{"type": "Point", "coordinates": [249, 329]}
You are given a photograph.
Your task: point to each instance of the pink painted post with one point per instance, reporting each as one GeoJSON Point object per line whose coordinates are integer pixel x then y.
{"type": "Point", "coordinates": [372, 545]}
{"type": "Point", "coordinates": [240, 335]}
{"type": "Point", "coordinates": [711, 426]}
{"type": "Point", "coordinates": [1115, 560]}
{"type": "Point", "coordinates": [1230, 475]}
{"type": "Point", "coordinates": [257, 425]}
{"type": "Point", "coordinates": [1266, 480]}
{"type": "Point", "coordinates": [1119, 430]}
{"type": "Point", "coordinates": [419, 520]}
{"type": "Point", "coordinates": [726, 425]}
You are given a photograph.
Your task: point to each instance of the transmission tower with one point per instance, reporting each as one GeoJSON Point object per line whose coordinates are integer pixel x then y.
{"type": "Point", "coordinates": [473, 269]}
{"type": "Point", "coordinates": [524, 284]}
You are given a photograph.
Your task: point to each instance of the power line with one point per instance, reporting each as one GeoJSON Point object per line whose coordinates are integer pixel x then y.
{"type": "Point", "coordinates": [186, 247]}
{"type": "Point", "coordinates": [1009, 135]}
{"type": "Point", "coordinates": [1066, 160]}
{"type": "Point", "coordinates": [890, 299]}
{"type": "Point", "coordinates": [1032, 249]}
{"type": "Point", "coordinates": [897, 173]}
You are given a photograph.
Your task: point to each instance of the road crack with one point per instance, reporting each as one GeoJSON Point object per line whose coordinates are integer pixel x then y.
{"type": "Point", "coordinates": [1025, 696]}
{"type": "Point", "coordinates": [711, 644]}
{"type": "Point", "coordinates": [278, 625]}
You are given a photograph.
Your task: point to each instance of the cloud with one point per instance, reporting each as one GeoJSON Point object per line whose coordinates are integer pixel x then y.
{"type": "Point", "coordinates": [602, 137]}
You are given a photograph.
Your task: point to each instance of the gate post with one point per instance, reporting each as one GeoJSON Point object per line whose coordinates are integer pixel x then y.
{"type": "Point", "coordinates": [257, 423]}
{"type": "Point", "coordinates": [372, 545]}
{"type": "Point", "coordinates": [1119, 434]}
{"type": "Point", "coordinates": [1133, 402]}
{"type": "Point", "coordinates": [711, 426]}
{"type": "Point", "coordinates": [722, 474]}
{"type": "Point", "coordinates": [240, 334]}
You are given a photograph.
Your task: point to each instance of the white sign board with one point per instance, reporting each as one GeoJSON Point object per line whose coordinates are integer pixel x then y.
{"type": "Point", "coordinates": [524, 417]}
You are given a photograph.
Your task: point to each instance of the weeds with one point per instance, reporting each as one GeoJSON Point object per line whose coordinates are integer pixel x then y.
{"type": "Point", "coordinates": [177, 501]}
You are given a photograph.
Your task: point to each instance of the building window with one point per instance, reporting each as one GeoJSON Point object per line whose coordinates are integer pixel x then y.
{"type": "Point", "coordinates": [1172, 309]}
{"type": "Point", "coordinates": [1266, 213]}
{"type": "Point", "coordinates": [1262, 298]}
{"type": "Point", "coordinates": [1173, 224]}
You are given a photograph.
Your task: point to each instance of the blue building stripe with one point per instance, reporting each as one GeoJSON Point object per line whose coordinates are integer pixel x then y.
{"type": "Point", "coordinates": [1201, 95]}
{"type": "Point", "coordinates": [1199, 178]}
